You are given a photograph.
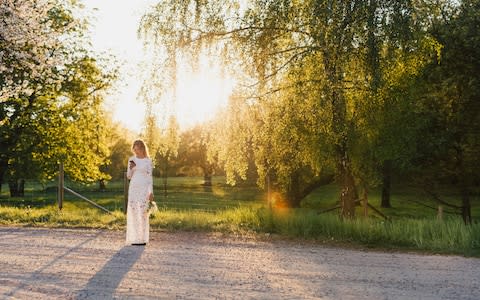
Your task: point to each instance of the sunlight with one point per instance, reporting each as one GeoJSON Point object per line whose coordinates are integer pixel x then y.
{"type": "Point", "coordinates": [201, 94]}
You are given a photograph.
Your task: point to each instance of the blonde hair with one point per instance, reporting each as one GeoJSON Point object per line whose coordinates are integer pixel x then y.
{"type": "Point", "coordinates": [141, 144]}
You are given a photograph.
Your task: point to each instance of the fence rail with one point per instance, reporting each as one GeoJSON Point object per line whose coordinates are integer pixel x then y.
{"type": "Point", "coordinates": [184, 193]}
{"type": "Point", "coordinates": [62, 188]}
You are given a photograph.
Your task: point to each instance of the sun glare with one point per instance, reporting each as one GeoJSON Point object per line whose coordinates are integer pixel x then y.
{"type": "Point", "coordinates": [201, 94]}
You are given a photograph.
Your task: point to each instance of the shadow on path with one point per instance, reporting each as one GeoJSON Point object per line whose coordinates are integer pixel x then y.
{"type": "Point", "coordinates": [39, 271]}
{"type": "Point", "coordinates": [104, 283]}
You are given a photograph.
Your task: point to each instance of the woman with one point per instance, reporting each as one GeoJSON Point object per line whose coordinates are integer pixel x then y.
{"type": "Point", "coordinates": [140, 192]}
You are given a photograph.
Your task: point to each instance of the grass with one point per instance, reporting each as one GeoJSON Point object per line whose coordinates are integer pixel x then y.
{"type": "Point", "coordinates": [189, 206]}
{"type": "Point", "coordinates": [407, 202]}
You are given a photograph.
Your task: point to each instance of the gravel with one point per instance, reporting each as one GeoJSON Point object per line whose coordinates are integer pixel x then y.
{"type": "Point", "coordinates": [42, 263]}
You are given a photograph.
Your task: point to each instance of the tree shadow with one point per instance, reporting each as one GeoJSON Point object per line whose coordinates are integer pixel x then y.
{"type": "Point", "coordinates": [39, 271]}
{"type": "Point", "coordinates": [104, 283]}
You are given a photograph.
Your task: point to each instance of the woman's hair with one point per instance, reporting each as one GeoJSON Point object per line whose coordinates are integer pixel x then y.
{"type": "Point", "coordinates": [141, 144]}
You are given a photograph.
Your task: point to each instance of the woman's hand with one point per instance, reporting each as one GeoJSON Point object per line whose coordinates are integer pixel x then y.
{"type": "Point", "coordinates": [150, 197]}
{"type": "Point", "coordinates": [132, 164]}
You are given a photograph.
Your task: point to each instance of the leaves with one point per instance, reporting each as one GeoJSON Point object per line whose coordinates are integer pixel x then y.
{"type": "Point", "coordinates": [52, 94]}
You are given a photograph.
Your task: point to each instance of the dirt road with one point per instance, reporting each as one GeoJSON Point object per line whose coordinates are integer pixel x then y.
{"type": "Point", "coordinates": [95, 264]}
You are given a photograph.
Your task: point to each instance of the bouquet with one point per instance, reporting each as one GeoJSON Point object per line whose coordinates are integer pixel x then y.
{"type": "Point", "coordinates": [151, 207]}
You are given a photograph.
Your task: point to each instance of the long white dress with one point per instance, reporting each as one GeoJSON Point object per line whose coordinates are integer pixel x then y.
{"type": "Point", "coordinates": [141, 185]}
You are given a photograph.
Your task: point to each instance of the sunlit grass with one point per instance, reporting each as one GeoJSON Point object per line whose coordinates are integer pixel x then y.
{"type": "Point", "coordinates": [242, 210]}
{"type": "Point", "coordinates": [449, 236]}
{"type": "Point", "coordinates": [70, 216]}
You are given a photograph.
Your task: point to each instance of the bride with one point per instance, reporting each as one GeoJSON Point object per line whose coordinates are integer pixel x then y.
{"type": "Point", "coordinates": [140, 192]}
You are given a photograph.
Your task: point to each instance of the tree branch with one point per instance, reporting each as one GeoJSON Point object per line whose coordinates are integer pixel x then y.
{"type": "Point", "coordinates": [437, 198]}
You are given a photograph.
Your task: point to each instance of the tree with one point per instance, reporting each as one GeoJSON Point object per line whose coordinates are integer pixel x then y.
{"type": "Point", "coordinates": [119, 142]}
{"type": "Point", "coordinates": [193, 153]}
{"type": "Point", "coordinates": [30, 45]}
{"type": "Point", "coordinates": [450, 151]}
{"type": "Point", "coordinates": [396, 48]}
{"type": "Point", "coordinates": [328, 86]}
{"type": "Point", "coordinates": [51, 94]}
{"type": "Point", "coordinates": [274, 36]}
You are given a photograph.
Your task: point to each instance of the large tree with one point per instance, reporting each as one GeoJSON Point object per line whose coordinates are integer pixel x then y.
{"type": "Point", "coordinates": [52, 93]}
{"type": "Point", "coordinates": [327, 86]}
{"type": "Point", "coordinates": [449, 150]}
{"type": "Point", "coordinates": [275, 36]}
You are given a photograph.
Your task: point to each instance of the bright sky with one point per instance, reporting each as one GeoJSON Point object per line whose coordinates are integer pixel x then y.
{"type": "Point", "coordinates": [114, 29]}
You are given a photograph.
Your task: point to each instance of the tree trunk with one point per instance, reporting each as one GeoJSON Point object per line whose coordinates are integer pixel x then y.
{"type": "Point", "coordinates": [299, 190]}
{"type": "Point", "coordinates": [207, 179]}
{"type": "Point", "coordinates": [293, 193]}
{"type": "Point", "coordinates": [21, 187]}
{"type": "Point", "coordinates": [207, 175]}
{"type": "Point", "coordinates": [101, 185]}
{"type": "Point", "coordinates": [386, 184]}
{"type": "Point", "coordinates": [466, 207]}
{"type": "Point", "coordinates": [3, 170]}
{"type": "Point", "coordinates": [165, 178]}
{"type": "Point", "coordinates": [12, 185]}
{"type": "Point", "coordinates": [463, 180]}
{"type": "Point", "coordinates": [348, 191]}
{"type": "Point", "coordinates": [17, 187]}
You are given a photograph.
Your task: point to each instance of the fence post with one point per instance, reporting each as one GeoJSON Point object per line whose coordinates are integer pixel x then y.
{"type": "Point", "coordinates": [125, 192]}
{"type": "Point", "coordinates": [365, 202]}
{"type": "Point", "coordinates": [269, 196]}
{"type": "Point", "coordinates": [60, 192]}
{"type": "Point", "coordinates": [440, 213]}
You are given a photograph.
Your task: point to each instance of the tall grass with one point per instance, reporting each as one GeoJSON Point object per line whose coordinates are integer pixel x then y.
{"type": "Point", "coordinates": [191, 206]}
{"type": "Point", "coordinates": [449, 236]}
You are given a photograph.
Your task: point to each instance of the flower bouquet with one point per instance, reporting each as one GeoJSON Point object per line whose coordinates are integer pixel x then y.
{"type": "Point", "coordinates": [151, 207]}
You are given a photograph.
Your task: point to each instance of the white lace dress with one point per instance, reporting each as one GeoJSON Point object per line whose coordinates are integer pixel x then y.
{"type": "Point", "coordinates": [141, 185]}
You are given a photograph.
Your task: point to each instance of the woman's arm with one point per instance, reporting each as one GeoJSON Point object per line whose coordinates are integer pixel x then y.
{"type": "Point", "coordinates": [130, 168]}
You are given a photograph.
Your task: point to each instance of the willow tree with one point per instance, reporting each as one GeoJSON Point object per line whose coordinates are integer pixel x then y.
{"type": "Point", "coordinates": [315, 76]}
{"type": "Point", "coordinates": [273, 38]}
{"type": "Point", "coordinates": [395, 49]}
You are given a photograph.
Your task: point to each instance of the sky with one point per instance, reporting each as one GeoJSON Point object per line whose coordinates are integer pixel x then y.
{"type": "Point", "coordinates": [113, 29]}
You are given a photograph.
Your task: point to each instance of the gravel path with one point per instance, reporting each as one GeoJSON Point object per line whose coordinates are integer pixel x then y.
{"type": "Point", "coordinates": [95, 264]}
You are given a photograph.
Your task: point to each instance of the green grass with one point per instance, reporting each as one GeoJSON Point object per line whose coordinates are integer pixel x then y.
{"type": "Point", "coordinates": [449, 236]}
{"type": "Point", "coordinates": [70, 216]}
{"type": "Point", "coordinates": [190, 206]}
{"type": "Point", "coordinates": [407, 202]}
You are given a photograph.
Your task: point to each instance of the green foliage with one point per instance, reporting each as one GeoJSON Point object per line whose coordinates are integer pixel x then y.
{"type": "Point", "coordinates": [57, 116]}
{"type": "Point", "coordinates": [192, 159]}
{"type": "Point", "coordinates": [346, 88]}
{"type": "Point", "coordinates": [119, 143]}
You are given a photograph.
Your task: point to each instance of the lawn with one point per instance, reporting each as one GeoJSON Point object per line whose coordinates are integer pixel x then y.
{"type": "Point", "coordinates": [189, 205]}
{"type": "Point", "coordinates": [183, 193]}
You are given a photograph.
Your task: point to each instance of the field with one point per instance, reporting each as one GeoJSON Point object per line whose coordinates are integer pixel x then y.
{"type": "Point", "coordinates": [188, 193]}
{"type": "Point", "coordinates": [183, 193]}
{"type": "Point", "coordinates": [188, 205]}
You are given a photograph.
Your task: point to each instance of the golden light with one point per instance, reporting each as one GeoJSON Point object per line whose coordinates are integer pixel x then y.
{"type": "Point", "coordinates": [199, 94]}
{"type": "Point", "coordinates": [202, 93]}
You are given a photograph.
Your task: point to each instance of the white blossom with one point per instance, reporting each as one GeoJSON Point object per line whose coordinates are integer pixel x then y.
{"type": "Point", "coordinates": [27, 41]}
